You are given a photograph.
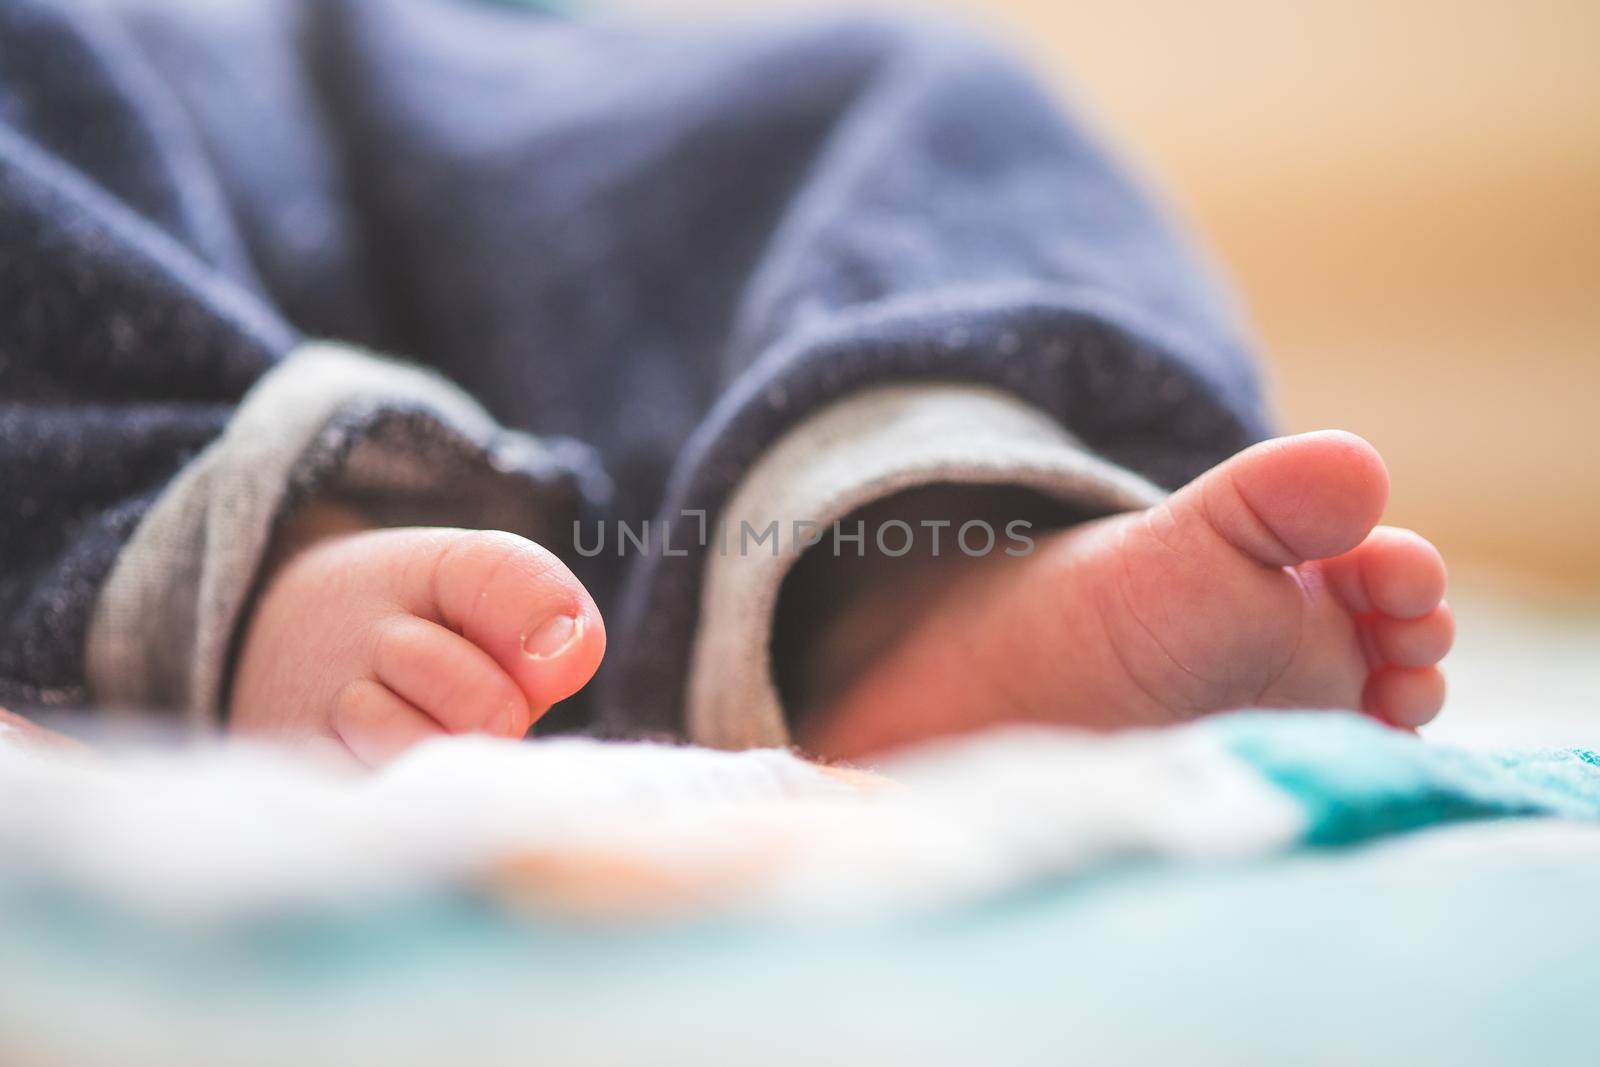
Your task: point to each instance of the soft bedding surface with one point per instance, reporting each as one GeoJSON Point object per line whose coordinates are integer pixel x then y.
{"type": "Point", "coordinates": [1254, 888]}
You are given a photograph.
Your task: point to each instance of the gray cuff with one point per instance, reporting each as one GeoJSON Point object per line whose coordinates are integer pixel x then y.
{"type": "Point", "coordinates": [403, 442]}
{"type": "Point", "coordinates": [857, 451]}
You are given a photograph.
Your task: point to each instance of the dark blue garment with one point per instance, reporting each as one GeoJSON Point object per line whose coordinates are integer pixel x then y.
{"type": "Point", "coordinates": [670, 242]}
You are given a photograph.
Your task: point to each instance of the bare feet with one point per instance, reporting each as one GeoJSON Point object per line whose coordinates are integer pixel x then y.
{"type": "Point", "coordinates": [1262, 583]}
{"type": "Point", "coordinates": [376, 640]}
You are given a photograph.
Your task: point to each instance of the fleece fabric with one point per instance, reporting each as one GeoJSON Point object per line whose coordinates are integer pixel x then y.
{"type": "Point", "coordinates": [651, 250]}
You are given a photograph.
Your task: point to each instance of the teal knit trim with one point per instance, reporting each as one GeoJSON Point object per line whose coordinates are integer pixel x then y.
{"type": "Point", "coordinates": [1358, 780]}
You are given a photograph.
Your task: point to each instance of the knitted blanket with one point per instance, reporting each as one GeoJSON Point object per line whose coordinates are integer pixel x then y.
{"type": "Point", "coordinates": [1251, 887]}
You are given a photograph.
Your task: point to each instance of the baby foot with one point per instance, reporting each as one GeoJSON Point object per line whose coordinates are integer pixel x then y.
{"type": "Point", "coordinates": [1262, 583]}
{"type": "Point", "coordinates": [376, 640]}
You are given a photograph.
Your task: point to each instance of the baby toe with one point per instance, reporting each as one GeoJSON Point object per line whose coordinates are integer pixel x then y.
{"type": "Point", "coordinates": [524, 608]}
{"type": "Point", "coordinates": [1413, 642]}
{"type": "Point", "coordinates": [376, 725]}
{"type": "Point", "coordinates": [1403, 574]}
{"type": "Point", "coordinates": [1405, 696]}
{"type": "Point", "coordinates": [1291, 499]}
{"type": "Point", "coordinates": [449, 678]}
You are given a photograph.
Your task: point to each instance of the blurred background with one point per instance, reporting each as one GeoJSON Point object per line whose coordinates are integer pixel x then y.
{"type": "Point", "coordinates": [1406, 194]}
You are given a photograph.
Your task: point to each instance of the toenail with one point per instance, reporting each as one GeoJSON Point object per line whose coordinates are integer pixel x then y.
{"type": "Point", "coordinates": [506, 722]}
{"type": "Point", "coordinates": [552, 637]}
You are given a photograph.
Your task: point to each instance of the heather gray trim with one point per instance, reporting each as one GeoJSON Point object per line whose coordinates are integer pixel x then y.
{"type": "Point", "coordinates": [329, 417]}
{"type": "Point", "coordinates": [859, 450]}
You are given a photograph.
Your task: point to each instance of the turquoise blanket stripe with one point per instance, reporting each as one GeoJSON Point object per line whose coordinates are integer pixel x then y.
{"type": "Point", "coordinates": [1358, 780]}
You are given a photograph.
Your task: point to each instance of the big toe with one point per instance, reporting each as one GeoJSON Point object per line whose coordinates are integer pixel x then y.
{"type": "Point", "coordinates": [520, 604]}
{"type": "Point", "coordinates": [1292, 499]}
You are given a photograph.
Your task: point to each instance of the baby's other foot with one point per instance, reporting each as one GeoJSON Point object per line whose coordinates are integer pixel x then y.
{"type": "Point", "coordinates": [1262, 583]}
{"type": "Point", "coordinates": [378, 639]}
